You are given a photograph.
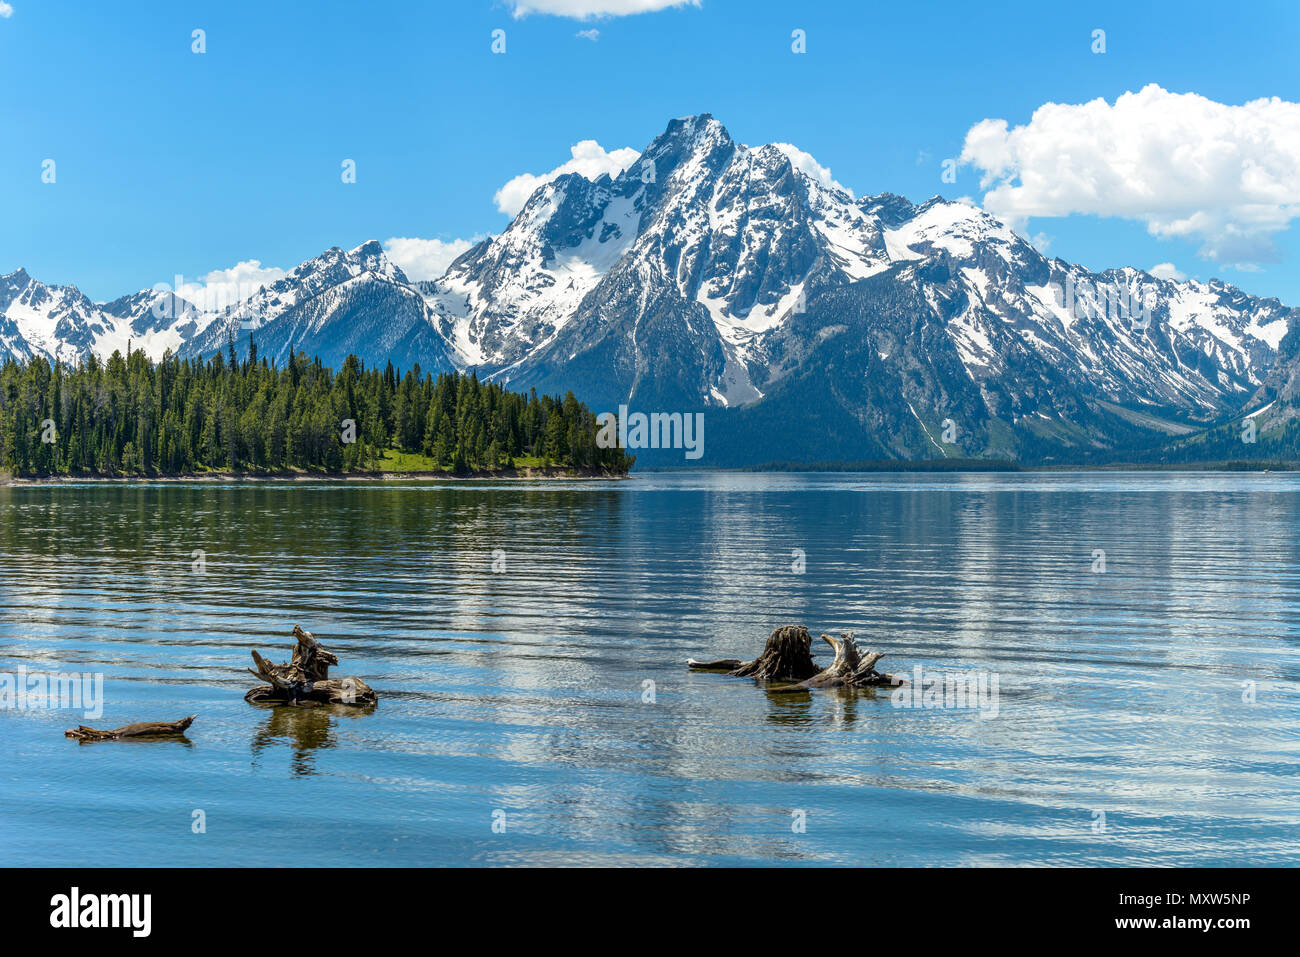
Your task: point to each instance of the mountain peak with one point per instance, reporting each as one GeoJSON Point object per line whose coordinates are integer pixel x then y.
{"type": "Point", "coordinates": [692, 121]}
{"type": "Point", "coordinates": [336, 264]}
{"type": "Point", "coordinates": [370, 256]}
{"type": "Point", "coordinates": [370, 248]}
{"type": "Point", "coordinates": [16, 280]}
{"type": "Point", "coordinates": [686, 135]}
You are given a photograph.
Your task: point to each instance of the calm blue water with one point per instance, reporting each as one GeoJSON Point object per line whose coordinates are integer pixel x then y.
{"type": "Point", "coordinates": [522, 691]}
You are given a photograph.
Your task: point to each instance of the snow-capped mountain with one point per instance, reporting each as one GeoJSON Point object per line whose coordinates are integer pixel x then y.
{"type": "Point", "coordinates": [688, 280]}
{"type": "Point", "coordinates": [59, 322]}
{"type": "Point", "coordinates": [152, 321]}
{"type": "Point", "coordinates": [702, 246]}
{"type": "Point", "coordinates": [340, 303]}
{"type": "Point", "coordinates": [808, 323]}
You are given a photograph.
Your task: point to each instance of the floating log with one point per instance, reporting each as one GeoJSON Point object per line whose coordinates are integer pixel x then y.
{"type": "Point", "coordinates": [305, 680]}
{"type": "Point", "coordinates": [722, 664]}
{"type": "Point", "coordinates": [787, 657]}
{"type": "Point", "coordinates": [142, 729]}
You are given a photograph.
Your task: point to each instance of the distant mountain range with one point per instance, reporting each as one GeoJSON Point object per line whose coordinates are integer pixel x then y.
{"type": "Point", "coordinates": [806, 324]}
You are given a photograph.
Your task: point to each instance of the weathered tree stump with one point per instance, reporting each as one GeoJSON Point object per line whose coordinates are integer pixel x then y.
{"type": "Point", "coordinates": [850, 669]}
{"type": "Point", "coordinates": [142, 729]}
{"type": "Point", "coordinates": [305, 680]}
{"type": "Point", "coordinates": [787, 657]}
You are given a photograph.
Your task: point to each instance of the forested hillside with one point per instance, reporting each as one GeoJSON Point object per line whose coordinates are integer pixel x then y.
{"type": "Point", "coordinates": [130, 415]}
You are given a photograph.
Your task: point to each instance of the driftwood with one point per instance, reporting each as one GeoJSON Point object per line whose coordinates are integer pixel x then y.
{"type": "Point", "coordinates": [787, 657]}
{"type": "Point", "coordinates": [142, 729]}
{"type": "Point", "coordinates": [305, 680]}
{"type": "Point", "coordinates": [851, 668]}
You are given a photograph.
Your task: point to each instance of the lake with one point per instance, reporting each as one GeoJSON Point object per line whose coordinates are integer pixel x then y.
{"type": "Point", "coordinates": [528, 643]}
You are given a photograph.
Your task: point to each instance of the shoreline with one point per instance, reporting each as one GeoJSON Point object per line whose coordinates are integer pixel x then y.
{"type": "Point", "coordinates": [969, 467]}
{"type": "Point", "coordinates": [540, 474]}
{"type": "Point", "coordinates": [236, 478]}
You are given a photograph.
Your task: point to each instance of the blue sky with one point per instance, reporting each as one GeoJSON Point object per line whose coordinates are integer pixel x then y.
{"type": "Point", "coordinates": [168, 161]}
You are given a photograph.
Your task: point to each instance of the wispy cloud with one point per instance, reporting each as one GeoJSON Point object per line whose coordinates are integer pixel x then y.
{"type": "Point", "coordinates": [6, 10]}
{"type": "Point", "coordinates": [426, 259]}
{"type": "Point", "coordinates": [1167, 271]}
{"type": "Point", "coordinates": [592, 35]}
{"type": "Point", "coordinates": [1186, 166]}
{"type": "Point", "coordinates": [222, 288]}
{"type": "Point", "coordinates": [587, 9]}
{"type": "Point", "coordinates": [805, 163]}
{"type": "Point", "coordinates": [589, 159]}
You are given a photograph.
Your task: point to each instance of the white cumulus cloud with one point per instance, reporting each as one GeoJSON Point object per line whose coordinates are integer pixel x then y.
{"type": "Point", "coordinates": [426, 259]}
{"type": "Point", "coordinates": [586, 9]}
{"type": "Point", "coordinates": [6, 10]}
{"type": "Point", "coordinates": [589, 158]}
{"type": "Point", "coordinates": [1186, 166]}
{"type": "Point", "coordinates": [1167, 271]}
{"type": "Point", "coordinates": [222, 288]}
{"type": "Point", "coordinates": [805, 163]}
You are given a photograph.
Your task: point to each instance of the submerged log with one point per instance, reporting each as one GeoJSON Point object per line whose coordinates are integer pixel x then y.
{"type": "Point", "coordinates": [787, 657]}
{"type": "Point", "coordinates": [141, 729]}
{"type": "Point", "coordinates": [305, 680]}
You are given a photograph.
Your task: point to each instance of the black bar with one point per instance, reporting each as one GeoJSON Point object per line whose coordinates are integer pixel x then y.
{"type": "Point", "coordinates": [533, 904]}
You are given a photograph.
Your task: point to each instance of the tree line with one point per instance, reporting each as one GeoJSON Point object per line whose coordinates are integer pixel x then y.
{"type": "Point", "coordinates": [131, 415]}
